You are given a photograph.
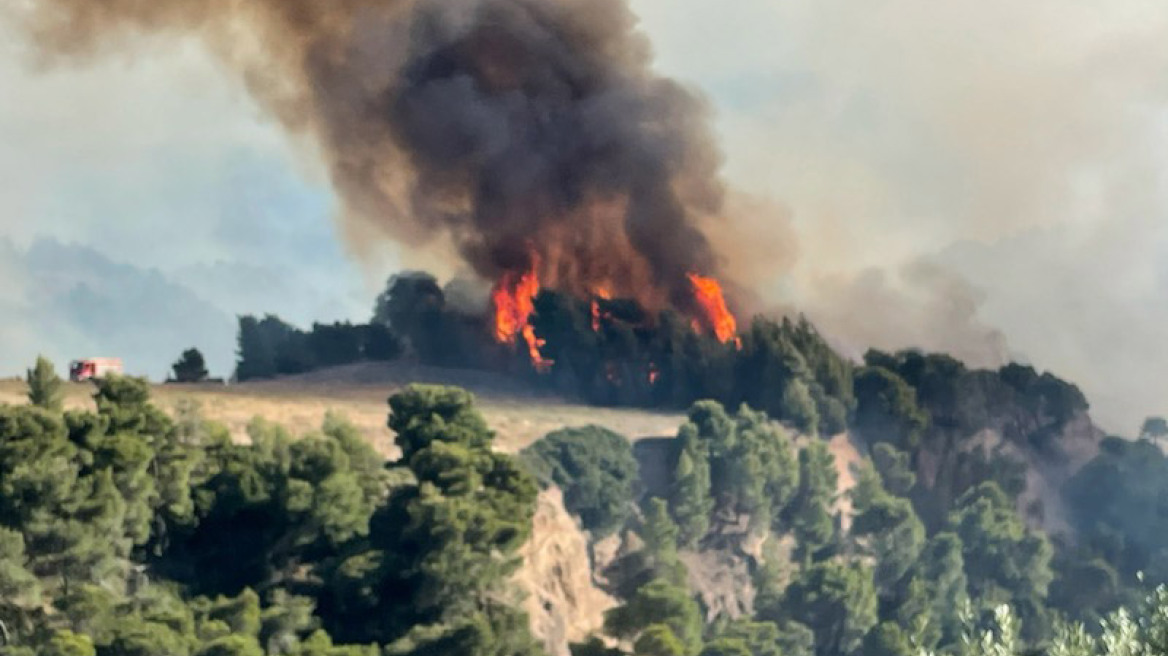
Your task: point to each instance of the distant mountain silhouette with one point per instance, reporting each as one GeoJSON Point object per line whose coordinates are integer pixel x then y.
{"type": "Point", "coordinates": [70, 301]}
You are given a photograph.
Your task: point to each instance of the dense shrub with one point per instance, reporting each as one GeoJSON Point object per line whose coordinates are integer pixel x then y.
{"type": "Point", "coordinates": [123, 531]}
{"type": "Point", "coordinates": [731, 466]}
{"type": "Point", "coordinates": [269, 347]}
{"type": "Point", "coordinates": [126, 531]}
{"type": "Point", "coordinates": [1117, 504]}
{"type": "Point", "coordinates": [596, 470]}
{"type": "Point", "coordinates": [190, 367]}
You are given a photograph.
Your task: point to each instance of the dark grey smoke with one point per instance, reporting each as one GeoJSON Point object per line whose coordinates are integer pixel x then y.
{"type": "Point", "coordinates": [506, 129]}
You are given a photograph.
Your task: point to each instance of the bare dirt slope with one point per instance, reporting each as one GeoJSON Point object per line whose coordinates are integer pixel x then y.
{"type": "Point", "coordinates": [518, 412]}
{"type": "Point", "coordinates": [561, 598]}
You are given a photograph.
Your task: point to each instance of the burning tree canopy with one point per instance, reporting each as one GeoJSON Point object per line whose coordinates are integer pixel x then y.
{"type": "Point", "coordinates": [513, 306]}
{"type": "Point", "coordinates": [513, 300]}
{"type": "Point", "coordinates": [712, 312]}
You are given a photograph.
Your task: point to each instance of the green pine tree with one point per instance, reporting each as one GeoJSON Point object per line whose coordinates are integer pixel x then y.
{"type": "Point", "coordinates": [690, 499]}
{"type": "Point", "coordinates": [837, 601]}
{"type": "Point", "coordinates": [659, 532]}
{"type": "Point", "coordinates": [809, 514]}
{"type": "Point", "coordinates": [190, 367]}
{"type": "Point", "coordinates": [44, 386]}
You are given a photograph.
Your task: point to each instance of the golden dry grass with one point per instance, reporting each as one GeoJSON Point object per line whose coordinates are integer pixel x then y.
{"type": "Point", "coordinates": [519, 415]}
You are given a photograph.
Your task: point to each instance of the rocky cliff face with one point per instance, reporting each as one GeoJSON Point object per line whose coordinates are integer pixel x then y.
{"type": "Point", "coordinates": [1039, 472]}
{"type": "Point", "coordinates": [562, 599]}
{"type": "Point", "coordinates": [561, 570]}
{"type": "Point", "coordinates": [1042, 503]}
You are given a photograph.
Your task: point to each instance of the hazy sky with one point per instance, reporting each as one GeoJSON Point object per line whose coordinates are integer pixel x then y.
{"type": "Point", "coordinates": [986, 177]}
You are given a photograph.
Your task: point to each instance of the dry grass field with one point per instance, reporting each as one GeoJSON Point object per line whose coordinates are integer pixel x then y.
{"type": "Point", "coordinates": [518, 413]}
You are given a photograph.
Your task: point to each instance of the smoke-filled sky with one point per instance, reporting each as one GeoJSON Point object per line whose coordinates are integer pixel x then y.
{"type": "Point", "coordinates": [981, 177]}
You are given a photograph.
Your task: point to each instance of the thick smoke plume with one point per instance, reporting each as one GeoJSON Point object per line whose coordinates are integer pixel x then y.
{"type": "Point", "coordinates": [1018, 145]}
{"type": "Point", "coordinates": [515, 131]}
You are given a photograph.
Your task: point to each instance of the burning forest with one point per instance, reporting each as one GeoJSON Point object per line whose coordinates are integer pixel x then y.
{"type": "Point", "coordinates": [513, 311]}
{"type": "Point", "coordinates": [531, 143]}
{"type": "Point", "coordinates": [599, 348]}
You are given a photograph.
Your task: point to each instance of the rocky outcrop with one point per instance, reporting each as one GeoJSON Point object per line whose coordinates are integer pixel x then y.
{"type": "Point", "coordinates": [561, 597]}
{"type": "Point", "coordinates": [1044, 468]}
{"type": "Point", "coordinates": [722, 580]}
{"type": "Point", "coordinates": [564, 576]}
{"type": "Point", "coordinates": [1045, 477]}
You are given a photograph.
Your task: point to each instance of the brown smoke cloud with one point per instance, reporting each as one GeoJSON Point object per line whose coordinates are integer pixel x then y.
{"type": "Point", "coordinates": [1015, 151]}
{"type": "Point", "coordinates": [501, 129]}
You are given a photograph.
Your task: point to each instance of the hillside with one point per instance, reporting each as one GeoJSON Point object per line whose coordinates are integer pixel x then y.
{"type": "Point", "coordinates": [518, 413]}
{"type": "Point", "coordinates": [564, 576]}
{"type": "Point", "coordinates": [557, 578]}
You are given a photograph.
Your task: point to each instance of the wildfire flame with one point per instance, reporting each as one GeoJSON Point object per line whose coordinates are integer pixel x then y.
{"type": "Point", "coordinates": [514, 301]}
{"type": "Point", "coordinates": [712, 305]}
{"type": "Point", "coordinates": [601, 293]}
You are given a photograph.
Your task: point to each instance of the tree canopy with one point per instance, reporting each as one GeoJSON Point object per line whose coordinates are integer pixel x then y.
{"type": "Point", "coordinates": [190, 367]}
{"type": "Point", "coordinates": [44, 385]}
{"type": "Point", "coordinates": [596, 470]}
{"type": "Point", "coordinates": [124, 531]}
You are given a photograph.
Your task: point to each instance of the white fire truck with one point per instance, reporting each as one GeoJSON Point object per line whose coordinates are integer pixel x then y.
{"type": "Point", "coordinates": [90, 368]}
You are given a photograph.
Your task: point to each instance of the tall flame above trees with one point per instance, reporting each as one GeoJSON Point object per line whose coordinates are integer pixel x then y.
{"type": "Point", "coordinates": [713, 315]}
{"type": "Point", "coordinates": [513, 300]}
{"type": "Point", "coordinates": [601, 293]}
{"type": "Point", "coordinates": [513, 303]}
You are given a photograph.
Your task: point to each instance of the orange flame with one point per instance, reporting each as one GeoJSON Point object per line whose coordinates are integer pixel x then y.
{"type": "Point", "coordinates": [712, 304]}
{"type": "Point", "coordinates": [600, 293]}
{"type": "Point", "coordinates": [514, 300]}
{"type": "Point", "coordinates": [653, 374]}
